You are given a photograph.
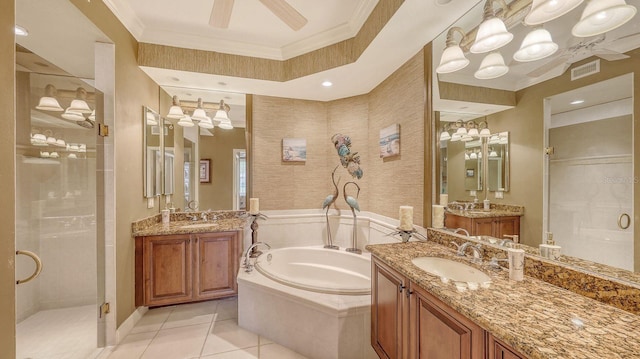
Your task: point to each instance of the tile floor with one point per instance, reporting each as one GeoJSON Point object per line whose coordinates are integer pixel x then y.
{"type": "Point", "coordinates": [199, 330]}
{"type": "Point", "coordinates": [69, 333]}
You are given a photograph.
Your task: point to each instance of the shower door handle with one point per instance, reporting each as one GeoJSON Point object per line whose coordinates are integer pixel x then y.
{"type": "Point", "coordinates": [628, 223]}
{"type": "Point", "coordinates": [38, 266]}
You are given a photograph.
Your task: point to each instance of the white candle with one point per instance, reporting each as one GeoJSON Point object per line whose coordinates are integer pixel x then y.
{"type": "Point", "coordinates": [438, 216]}
{"type": "Point", "coordinates": [444, 199]}
{"type": "Point", "coordinates": [254, 205]}
{"type": "Point", "coordinates": [406, 218]}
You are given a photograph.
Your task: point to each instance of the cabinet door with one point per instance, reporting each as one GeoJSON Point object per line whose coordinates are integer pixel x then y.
{"type": "Point", "coordinates": [483, 227]}
{"type": "Point", "coordinates": [498, 350]}
{"type": "Point", "coordinates": [389, 336]}
{"type": "Point", "coordinates": [452, 221]}
{"type": "Point", "coordinates": [216, 265]}
{"type": "Point", "coordinates": [167, 263]}
{"type": "Point", "coordinates": [508, 225]}
{"type": "Point", "coordinates": [441, 332]}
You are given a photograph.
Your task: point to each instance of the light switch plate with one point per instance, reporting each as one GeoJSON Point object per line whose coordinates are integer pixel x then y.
{"type": "Point", "coordinates": [499, 194]}
{"type": "Point", "coordinates": [151, 202]}
{"type": "Point", "coordinates": [472, 193]}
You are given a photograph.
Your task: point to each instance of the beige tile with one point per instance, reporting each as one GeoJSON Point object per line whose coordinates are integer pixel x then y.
{"type": "Point", "coordinates": [227, 309]}
{"type": "Point", "coordinates": [177, 343]}
{"type": "Point", "coordinates": [132, 346]}
{"type": "Point", "coordinates": [249, 353]}
{"type": "Point", "coordinates": [277, 351]}
{"type": "Point", "coordinates": [264, 341]}
{"type": "Point", "coordinates": [191, 314]}
{"type": "Point", "coordinates": [152, 320]}
{"type": "Point", "coordinates": [226, 335]}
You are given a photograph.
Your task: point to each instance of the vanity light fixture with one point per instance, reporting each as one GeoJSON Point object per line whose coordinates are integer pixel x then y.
{"type": "Point", "coordinates": [48, 102]}
{"type": "Point", "coordinates": [175, 111]}
{"type": "Point", "coordinates": [546, 10]}
{"type": "Point", "coordinates": [79, 104]}
{"type": "Point", "coordinates": [453, 58]}
{"type": "Point", "coordinates": [200, 117]}
{"type": "Point", "coordinates": [445, 136]}
{"type": "Point", "coordinates": [72, 115]}
{"type": "Point", "coordinates": [493, 153]}
{"type": "Point", "coordinates": [223, 117]}
{"type": "Point", "coordinates": [600, 16]}
{"type": "Point", "coordinates": [491, 67]}
{"type": "Point", "coordinates": [484, 129]}
{"type": "Point", "coordinates": [473, 156]}
{"type": "Point", "coordinates": [492, 33]}
{"type": "Point", "coordinates": [185, 121]}
{"type": "Point", "coordinates": [536, 46]}
{"type": "Point", "coordinates": [21, 31]}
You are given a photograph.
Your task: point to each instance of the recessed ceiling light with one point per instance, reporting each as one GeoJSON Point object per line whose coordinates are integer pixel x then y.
{"type": "Point", "coordinates": [175, 79]}
{"type": "Point", "coordinates": [21, 31]}
{"type": "Point", "coordinates": [227, 97]}
{"type": "Point", "coordinates": [576, 102]}
{"type": "Point", "coordinates": [327, 84]}
{"type": "Point", "coordinates": [222, 83]}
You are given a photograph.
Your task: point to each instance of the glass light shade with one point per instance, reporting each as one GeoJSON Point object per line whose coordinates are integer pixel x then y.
{"type": "Point", "coordinates": [461, 131]}
{"type": "Point", "coordinates": [49, 104]}
{"type": "Point", "coordinates": [79, 106]}
{"type": "Point", "coordinates": [466, 138]}
{"type": "Point", "coordinates": [82, 147]}
{"type": "Point", "coordinates": [493, 154]}
{"type": "Point", "coordinates": [600, 16]}
{"type": "Point", "coordinates": [494, 140]}
{"type": "Point", "coordinates": [54, 155]}
{"type": "Point", "coordinates": [72, 115]}
{"type": "Point", "coordinates": [445, 136]}
{"type": "Point", "coordinates": [39, 139]}
{"type": "Point", "coordinates": [473, 132]}
{"type": "Point", "coordinates": [480, 155]}
{"type": "Point", "coordinates": [492, 35]}
{"type": "Point", "coordinates": [547, 10]}
{"type": "Point", "coordinates": [72, 156]}
{"type": "Point", "coordinates": [175, 113]}
{"type": "Point", "coordinates": [60, 143]}
{"type": "Point", "coordinates": [485, 132]}
{"type": "Point", "coordinates": [456, 137]}
{"type": "Point", "coordinates": [185, 121]}
{"type": "Point", "coordinates": [206, 123]}
{"type": "Point", "coordinates": [535, 46]}
{"type": "Point", "coordinates": [492, 66]}
{"type": "Point", "coordinates": [199, 115]}
{"type": "Point", "coordinates": [466, 156]}
{"type": "Point", "coordinates": [92, 116]}
{"type": "Point", "coordinates": [473, 156]}
{"type": "Point", "coordinates": [51, 140]}
{"type": "Point", "coordinates": [221, 115]}
{"type": "Point", "coordinates": [226, 125]}
{"type": "Point", "coordinates": [452, 60]}
{"type": "Point", "coordinates": [45, 154]}
{"type": "Point", "coordinates": [151, 119]}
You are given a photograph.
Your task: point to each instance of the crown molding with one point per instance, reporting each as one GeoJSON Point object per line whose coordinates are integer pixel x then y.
{"type": "Point", "coordinates": [127, 16]}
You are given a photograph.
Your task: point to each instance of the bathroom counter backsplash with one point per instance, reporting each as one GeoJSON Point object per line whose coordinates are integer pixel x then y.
{"type": "Point", "coordinates": [181, 223]}
{"type": "Point", "coordinates": [536, 318]}
{"type": "Point", "coordinates": [496, 210]}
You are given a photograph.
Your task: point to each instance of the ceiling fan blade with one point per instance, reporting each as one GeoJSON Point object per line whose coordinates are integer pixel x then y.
{"type": "Point", "coordinates": [609, 55]}
{"type": "Point", "coordinates": [625, 43]}
{"type": "Point", "coordinates": [560, 60]}
{"type": "Point", "coordinates": [221, 13]}
{"type": "Point", "coordinates": [286, 13]}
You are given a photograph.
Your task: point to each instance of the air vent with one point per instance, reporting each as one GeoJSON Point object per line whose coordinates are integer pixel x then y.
{"type": "Point", "coordinates": [585, 70]}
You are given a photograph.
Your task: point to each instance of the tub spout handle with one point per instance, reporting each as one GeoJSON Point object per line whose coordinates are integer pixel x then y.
{"type": "Point", "coordinates": [248, 267]}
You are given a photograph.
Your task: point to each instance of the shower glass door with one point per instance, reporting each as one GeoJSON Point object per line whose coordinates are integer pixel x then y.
{"type": "Point", "coordinates": [590, 173]}
{"type": "Point", "coordinates": [57, 312]}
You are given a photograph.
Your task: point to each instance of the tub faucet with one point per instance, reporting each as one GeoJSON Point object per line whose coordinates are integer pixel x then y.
{"type": "Point", "coordinates": [248, 267]}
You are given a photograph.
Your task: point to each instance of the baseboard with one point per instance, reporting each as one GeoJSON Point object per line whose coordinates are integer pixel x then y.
{"type": "Point", "coordinates": [125, 328]}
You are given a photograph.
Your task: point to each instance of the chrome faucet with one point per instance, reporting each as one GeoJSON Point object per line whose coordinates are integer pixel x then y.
{"type": "Point", "coordinates": [494, 263]}
{"type": "Point", "coordinates": [475, 248]}
{"type": "Point", "coordinates": [461, 230]}
{"type": "Point", "coordinates": [248, 267]}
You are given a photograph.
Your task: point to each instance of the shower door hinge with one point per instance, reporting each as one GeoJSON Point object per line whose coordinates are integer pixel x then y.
{"type": "Point", "coordinates": [104, 309]}
{"type": "Point", "coordinates": [103, 130]}
{"type": "Point", "coordinates": [549, 151]}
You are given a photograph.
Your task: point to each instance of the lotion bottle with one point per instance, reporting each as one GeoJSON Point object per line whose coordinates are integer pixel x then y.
{"type": "Point", "coordinates": [516, 264]}
{"type": "Point", "coordinates": [549, 249]}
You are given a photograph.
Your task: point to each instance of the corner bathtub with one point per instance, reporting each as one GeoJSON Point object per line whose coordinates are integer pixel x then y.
{"type": "Point", "coordinates": [312, 300]}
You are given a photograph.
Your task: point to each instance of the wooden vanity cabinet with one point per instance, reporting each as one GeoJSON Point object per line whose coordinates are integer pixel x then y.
{"type": "Point", "coordinates": [407, 322]}
{"type": "Point", "coordinates": [486, 226]}
{"type": "Point", "coordinates": [183, 268]}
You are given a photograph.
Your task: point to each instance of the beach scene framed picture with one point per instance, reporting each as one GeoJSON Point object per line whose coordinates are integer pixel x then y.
{"type": "Point", "coordinates": [294, 149]}
{"type": "Point", "coordinates": [390, 141]}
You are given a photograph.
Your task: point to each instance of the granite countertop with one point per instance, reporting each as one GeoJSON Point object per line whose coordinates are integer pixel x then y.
{"type": "Point", "coordinates": [535, 318]}
{"type": "Point", "coordinates": [496, 210]}
{"type": "Point", "coordinates": [180, 224]}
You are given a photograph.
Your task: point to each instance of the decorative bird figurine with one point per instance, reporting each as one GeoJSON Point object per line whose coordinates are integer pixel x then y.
{"type": "Point", "coordinates": [353, 204]}
{"type": "Point", "coordinates": [331, 199]}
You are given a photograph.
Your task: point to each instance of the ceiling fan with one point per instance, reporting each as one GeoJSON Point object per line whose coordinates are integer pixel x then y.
{"type": "Point", "coordinates": [221, 13]}
{"type": "Point", "coordinates": [606, 50]}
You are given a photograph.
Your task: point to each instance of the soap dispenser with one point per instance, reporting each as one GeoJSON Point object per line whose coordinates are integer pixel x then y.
{"type": "Point", "coordinates": [549, 249]}
{"type": "Point", "coordinates": [516, 263]}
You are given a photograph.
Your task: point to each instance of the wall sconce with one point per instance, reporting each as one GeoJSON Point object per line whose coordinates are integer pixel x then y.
{"type": "Point", "coordinates": [492, 33]}
{"type": "Point", "coordinates": [48, 102]}
{"type": "Point", "coordinates": [453, 58]}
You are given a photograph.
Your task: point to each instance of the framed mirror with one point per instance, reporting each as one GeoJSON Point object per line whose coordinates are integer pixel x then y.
{"type": "Point", "coordinates": [473, 165]}
{"type": "Point", "coordinates": [168, 148]}
{"type": "Point", "coordinates": [152, 155]}
{"type": "Point", "coordinates": [498, 162]}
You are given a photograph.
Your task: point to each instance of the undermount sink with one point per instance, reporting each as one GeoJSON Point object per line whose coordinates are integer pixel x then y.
{"type": "Point", "coordinates": [198, 225]}
{"type": "Point", "coordinates": [464, 276]}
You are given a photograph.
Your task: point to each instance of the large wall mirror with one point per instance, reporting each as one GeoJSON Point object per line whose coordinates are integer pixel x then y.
{"type": "Point", "coordinates": [220, 147]}
{"type": "Point", "coordinates": [515, 107]}
{"type": "Point", "coordinates": [152, 152]}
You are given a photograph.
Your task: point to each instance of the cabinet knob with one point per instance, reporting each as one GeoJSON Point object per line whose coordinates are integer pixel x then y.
{"type": "Point", "coordinates": [401, 287]}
